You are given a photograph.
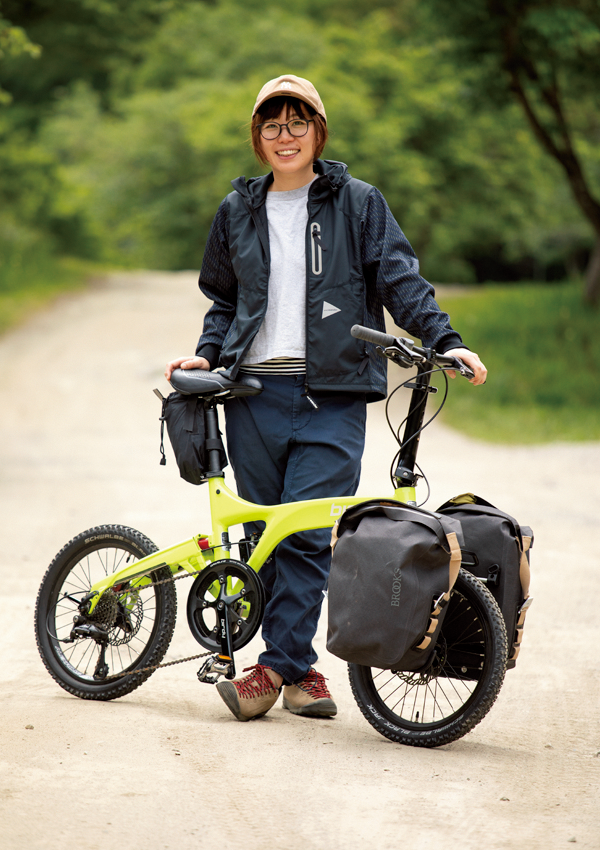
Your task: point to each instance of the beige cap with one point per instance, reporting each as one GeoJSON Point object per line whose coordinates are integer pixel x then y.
{"type": "Point", "coordinates": [292, 86]}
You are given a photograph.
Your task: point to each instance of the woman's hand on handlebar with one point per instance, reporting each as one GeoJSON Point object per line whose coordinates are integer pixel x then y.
{"type": "Point", "coordinates": [472, 360]}
{"type": "Point", "coordinates": [186, 363]}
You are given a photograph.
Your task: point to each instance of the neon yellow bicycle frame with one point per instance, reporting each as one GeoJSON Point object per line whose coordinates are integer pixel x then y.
{"type": "Point", "coordinates": [227, 509]}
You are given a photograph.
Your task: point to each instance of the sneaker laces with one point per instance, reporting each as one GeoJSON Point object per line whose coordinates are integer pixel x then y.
{"type": "Point", "coordinates": [256, 684]}
{"type": "Point", "coordinates": [314, 684]}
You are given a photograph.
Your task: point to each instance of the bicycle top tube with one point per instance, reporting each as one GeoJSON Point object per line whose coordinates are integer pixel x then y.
{"type": "Point", "coordinates": [282, 520]}
{"type": "Point", "coordinates": [228, 509]}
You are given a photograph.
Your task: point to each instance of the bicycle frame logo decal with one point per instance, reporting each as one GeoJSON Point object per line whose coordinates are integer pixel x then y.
{"type": "Point", "coordinates": [337, 510]}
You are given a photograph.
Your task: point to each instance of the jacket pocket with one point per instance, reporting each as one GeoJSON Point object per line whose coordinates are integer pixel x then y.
{"type": "Point", "coordinates": [330, 348]}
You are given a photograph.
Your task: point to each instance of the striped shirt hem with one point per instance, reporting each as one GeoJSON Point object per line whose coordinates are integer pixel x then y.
{"type": "Point", "coordinates": [276, 366]}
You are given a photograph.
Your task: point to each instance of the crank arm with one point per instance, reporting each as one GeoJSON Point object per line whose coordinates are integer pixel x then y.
{"type": "Point", "coordinates": [226, 653]}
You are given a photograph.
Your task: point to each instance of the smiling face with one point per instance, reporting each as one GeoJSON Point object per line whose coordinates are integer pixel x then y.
{"type": "Point", "coordinates": [290, 157]}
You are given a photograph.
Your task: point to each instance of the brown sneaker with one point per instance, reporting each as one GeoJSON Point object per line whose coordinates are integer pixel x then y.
{"type": "Point", "coordinates": [309, 697]}
{"type": "Point", "coordinates": [252, 696]}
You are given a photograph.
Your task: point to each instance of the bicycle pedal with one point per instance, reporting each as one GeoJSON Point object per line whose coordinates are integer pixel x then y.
{"type": "Point", "coordinates": [215, 666]}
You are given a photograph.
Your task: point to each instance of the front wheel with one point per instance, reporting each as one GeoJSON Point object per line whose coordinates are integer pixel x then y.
{"type": "Point", "coordinates": [130, 628]}
{"type": "Point", "coordinates": [458, 687]}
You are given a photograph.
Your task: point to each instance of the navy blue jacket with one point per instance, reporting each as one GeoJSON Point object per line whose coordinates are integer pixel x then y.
{"type": "Point", "coordinates": [357, 261]}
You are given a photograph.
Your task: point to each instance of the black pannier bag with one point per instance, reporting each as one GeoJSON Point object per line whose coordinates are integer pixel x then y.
{"type": "Point", "coordinates": [184, 416]}
{"type": "Point", "coordinates": [496, 550]}
{"type": "Point", "coordinates": [392, 570]}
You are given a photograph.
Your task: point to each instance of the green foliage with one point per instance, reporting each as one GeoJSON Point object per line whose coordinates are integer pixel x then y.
{"type": "Point", "coordinates": [13, 42]}
{"type": "Point", "coordinates": [545, 56]}
{"type": "Point", "coordinates": [149, 176]}
{"type": "Point", "coordinates": [541, 347]}
{"type": "Point", "coordinates": [125, 131]}
{"type": "Point", "coordinates": [79, 40]}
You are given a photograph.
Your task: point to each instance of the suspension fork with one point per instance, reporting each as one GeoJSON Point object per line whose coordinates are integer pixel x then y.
{"type": "Point", "coordinates": [405, 471]}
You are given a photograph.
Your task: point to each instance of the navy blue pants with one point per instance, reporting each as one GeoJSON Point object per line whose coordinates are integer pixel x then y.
{"type": "Point", "coordinates": [283, 450]}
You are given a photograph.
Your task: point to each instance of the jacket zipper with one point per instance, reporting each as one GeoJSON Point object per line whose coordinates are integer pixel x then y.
{"type": "Point", "coordinates": [317, 268]}
{"type": "Point", "coordinates": [316, 248]}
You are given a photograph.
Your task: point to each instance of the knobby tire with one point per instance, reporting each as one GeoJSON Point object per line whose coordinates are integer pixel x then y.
{"type": "Point", "coordinates": [150, 614]}
{"type": "Point", "coordinates": [448, 701]}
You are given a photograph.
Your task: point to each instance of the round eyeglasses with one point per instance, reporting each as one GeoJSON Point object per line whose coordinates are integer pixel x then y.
{"type": "Point", "coordinates": [297, 127]}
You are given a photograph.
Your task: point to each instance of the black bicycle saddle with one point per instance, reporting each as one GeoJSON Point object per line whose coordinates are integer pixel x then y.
{"type": "Point", "coordinates": [203, 383]}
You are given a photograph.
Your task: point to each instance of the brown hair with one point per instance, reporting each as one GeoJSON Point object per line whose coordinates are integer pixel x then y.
{"type": "Point", "coordinates": [272, 108]}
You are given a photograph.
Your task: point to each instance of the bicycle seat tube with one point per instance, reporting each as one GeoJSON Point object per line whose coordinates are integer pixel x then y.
{"type": "Point", "coordinates": [405, 471]}
{"type": "Point", "coordinates": [213, 441]}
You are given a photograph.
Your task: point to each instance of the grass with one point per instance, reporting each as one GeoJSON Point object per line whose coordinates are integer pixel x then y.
{"type": "Point", "coordinates": [541, 345]}
{"type": "Point", "coordinates": [31, 281]}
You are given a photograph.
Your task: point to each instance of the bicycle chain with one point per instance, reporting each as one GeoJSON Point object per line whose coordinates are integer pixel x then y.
{"type": "Point", "coordinates": [171, 578]}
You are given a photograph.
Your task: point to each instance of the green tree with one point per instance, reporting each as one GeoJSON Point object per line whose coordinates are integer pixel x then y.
{"type": "Point", "coordinates": [546, 55]}
{"type": "Point", "coordinates": [149, 175]}
{"type": "Point", "coordinates": [13, 42]}
{"type": "Point", "coordinates": [79, 40]}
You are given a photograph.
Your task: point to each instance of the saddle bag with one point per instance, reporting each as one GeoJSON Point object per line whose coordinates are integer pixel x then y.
{"type": "Point", "coordinates": [496, 550]}
{"type": "Point", "coordinates": [393, 567]}
{"type": "Point", "coordinates": [184, 416]}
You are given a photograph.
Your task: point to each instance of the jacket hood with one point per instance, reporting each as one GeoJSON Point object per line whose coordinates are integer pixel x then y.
{"type": "Point", "coordinates": [332, 176]}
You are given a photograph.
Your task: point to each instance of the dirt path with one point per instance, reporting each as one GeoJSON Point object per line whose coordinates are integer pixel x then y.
{"type": "Point", "coordinates": [167, 766]}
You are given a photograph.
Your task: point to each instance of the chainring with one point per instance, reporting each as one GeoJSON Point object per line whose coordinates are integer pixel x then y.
{"type": "Point", "coordinates": [236, 584]}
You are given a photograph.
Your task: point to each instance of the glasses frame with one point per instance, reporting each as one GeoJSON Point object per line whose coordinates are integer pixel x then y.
{"type": "Point", "coordinates": [307, 121]}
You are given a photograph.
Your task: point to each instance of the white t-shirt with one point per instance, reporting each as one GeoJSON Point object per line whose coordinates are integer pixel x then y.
{"type": "Point", "coordinates": [283, 331]}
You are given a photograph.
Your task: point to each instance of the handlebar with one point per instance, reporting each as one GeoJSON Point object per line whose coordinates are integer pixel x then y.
{"type": "Point", "coordinates": [405, 353]}
{"type": "Point", "coordinates": [370, 335]}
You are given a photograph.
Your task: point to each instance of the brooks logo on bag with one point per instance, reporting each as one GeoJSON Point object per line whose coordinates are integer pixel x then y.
{"type": "Point", "coordinates": [396, 584]}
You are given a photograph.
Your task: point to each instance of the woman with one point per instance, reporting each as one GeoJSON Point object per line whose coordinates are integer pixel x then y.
{"type": "Point", "coordinates": [293, 260]}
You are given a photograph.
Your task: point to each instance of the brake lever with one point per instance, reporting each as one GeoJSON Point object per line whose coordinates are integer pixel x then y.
{"type": "Point", "coordinates": [401, 354]}
{"type": "Point", "coordinates": [464, 370]}
{"type": "Point", "coordinates": [395, 355]}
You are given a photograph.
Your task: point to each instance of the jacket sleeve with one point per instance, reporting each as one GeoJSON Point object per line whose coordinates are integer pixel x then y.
{"type": "Point", "coordinates": [392, 274]}
{"type": "Point", "coordinates": [218, 282]}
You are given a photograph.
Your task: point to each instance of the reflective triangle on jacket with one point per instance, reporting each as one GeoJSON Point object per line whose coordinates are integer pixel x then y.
{"type": "Point", "coordinates": [329, 310]}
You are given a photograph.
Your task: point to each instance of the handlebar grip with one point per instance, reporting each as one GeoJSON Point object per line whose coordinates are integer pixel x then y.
{"type": "Point", "coordinates": [369, 335]}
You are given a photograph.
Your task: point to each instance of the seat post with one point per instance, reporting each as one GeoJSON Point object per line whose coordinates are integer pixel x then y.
{"type": "Point", "coordinates": [213, 441]}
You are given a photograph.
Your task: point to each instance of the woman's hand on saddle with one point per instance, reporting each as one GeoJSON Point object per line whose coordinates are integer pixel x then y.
{"type": "Point", "coordinates": [186, 363]}
{"type": "Point", "coordinates": [472, 360]}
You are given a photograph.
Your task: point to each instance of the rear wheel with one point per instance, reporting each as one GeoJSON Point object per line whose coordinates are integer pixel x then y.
{"type": "Point", "coordinates": [135, 620]}
{"type": "Point", "coordinates": [458, 688]}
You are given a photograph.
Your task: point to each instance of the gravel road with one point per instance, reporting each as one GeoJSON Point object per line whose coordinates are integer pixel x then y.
{"type": "Point", "coordinates": [168, 766]}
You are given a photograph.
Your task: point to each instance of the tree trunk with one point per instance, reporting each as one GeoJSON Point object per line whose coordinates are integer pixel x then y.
{"type": "Point", "coordinates": [592, 276]}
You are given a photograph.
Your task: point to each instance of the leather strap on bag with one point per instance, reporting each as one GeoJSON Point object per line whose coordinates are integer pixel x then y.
{"type": "Point", "coordinates": [334, 535]}
{"type": "Point", "coordinates": [524, 574]}
{"type": "Point", "coordinates": [524, 571]}
{"type": "Point", "coordinates": [442, 601]}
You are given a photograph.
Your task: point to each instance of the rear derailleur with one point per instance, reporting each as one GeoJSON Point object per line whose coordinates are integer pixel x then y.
{"type": "Point", "coordinates": [98, 631]}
